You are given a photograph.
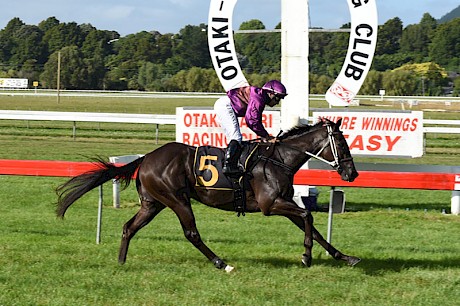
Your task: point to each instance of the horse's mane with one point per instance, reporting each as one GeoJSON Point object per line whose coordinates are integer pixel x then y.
{"type": "Point", "coordinates": [300, 130]}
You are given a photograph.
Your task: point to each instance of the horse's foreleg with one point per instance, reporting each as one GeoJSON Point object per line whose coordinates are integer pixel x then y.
{"type": "Point", "coordinates": [308, 241]}
{"type": "Point", "coordinates": [291, 210]}
{"type": "Point", "coordinates": [336, 254]}
{"type": "Point", "coordinates": [147, 212]}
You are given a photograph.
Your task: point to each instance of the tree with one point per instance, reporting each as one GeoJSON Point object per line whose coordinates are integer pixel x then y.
{"type": "Point", "coordinates": [319, 84]}
{"type": "Point", "coordinates": [399, 83]}
{"type": "Point", "coordinates": [372, 84]}
{"type": "Point", "coordinates": [446, 45]}
{"type": "Point", "coordinates": [261, 52]}
{"type": "Point", "coordinates": [28, 46]}
{"type": "Point", "coordinates": [163, 47]}
{"type": "Point", "coordinates": [63, 35]}
{"type": "Point", "coordinates": [7, 39]}
{"type": "Point", "coordinates": [416, 38]}
{"type": "Point", "coordinates": [191, 44]}
{"type": "Point", "coordinates": [432, 77]}
{"type": "Point", "coordinates": [456, 92]}
{"type": "Point", "coordinates": [73, 72]}
{"type": "Point", "coordinates": [318, 46]}
{"type": "Point", "coordinates": [150, 76]}
{"type": "Point", "coordinates": [386, 62]}
{"type": "Point", "coordinates": [48, 24]}
{"type": "Point", "coordinates": [390, 34]}
{"type": "Point", "coordinates": [335, 52]}
{"type": "Point", "coordinates": [95, 50]}
{"type": "Point", "coordinates": [29, 70]}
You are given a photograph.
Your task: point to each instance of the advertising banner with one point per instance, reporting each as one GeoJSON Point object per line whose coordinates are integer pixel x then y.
{"type": "Point", "coordinates": [361, 49]}
{"type": "Point", "coordinates": [14, 83]}
{"type": "Point", "coordinates": [394, 134]}
{"type": "Point", "coordinates": [199, 127]}
{"type": "Point", "coordinates": [222, 46]}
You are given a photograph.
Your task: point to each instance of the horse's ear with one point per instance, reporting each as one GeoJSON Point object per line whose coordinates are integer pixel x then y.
{"type": "Point", "coordinates": [338, 123]}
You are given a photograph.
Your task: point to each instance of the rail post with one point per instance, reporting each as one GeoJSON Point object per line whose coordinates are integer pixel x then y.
{"type": "Point", "coordinates": [99, 216]}
{"type": "Point", "coordinates": [455, 202]}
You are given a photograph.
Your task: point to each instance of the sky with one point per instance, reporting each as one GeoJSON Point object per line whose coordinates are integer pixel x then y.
{"type": "Point", "coordinates": [169, 16]}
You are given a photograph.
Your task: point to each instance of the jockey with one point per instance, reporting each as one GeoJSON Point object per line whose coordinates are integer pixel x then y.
{"type": "Point", "coordinates": [248, 102]}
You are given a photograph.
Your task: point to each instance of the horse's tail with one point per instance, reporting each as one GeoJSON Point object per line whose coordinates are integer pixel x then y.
{"type": "Point", "coordinates": [76, 187]}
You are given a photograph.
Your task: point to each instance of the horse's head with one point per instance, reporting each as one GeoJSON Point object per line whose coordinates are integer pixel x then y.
{"type": "Point", "coordinates": [323, 141]}
{"type": "Point", "coordinates": [338, 152]}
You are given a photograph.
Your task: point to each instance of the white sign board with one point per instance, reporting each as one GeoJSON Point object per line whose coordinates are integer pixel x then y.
{"type": "Point", "coordinates": [222, 46]}
{"type": "Point", "coordinates": [14, 83]}
{"type": "Point", "coordinates": [361, 49]}
{"type": "Point", "coordinates": [381, 133]}
{"type": "Point", "coordinates": [199, 127]}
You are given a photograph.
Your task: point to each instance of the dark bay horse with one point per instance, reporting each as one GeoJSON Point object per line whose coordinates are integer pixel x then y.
{"type": "Point", "coordinates": [165, 178]}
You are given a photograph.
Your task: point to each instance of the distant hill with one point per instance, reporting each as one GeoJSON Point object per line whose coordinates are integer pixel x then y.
{"type": "Point", "coordinates": [449, 16]}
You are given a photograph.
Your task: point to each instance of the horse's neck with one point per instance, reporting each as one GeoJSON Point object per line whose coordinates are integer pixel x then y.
{"type": "Point", "coordinates": [310, 142]}
{"type": "Point", "coordinates": [295, 149]}
{"type": "Point", "coordinates": [286, 154]}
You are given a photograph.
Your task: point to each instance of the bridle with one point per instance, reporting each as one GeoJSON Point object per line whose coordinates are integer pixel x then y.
{"type": "Point", "coordinates": [332, 143]}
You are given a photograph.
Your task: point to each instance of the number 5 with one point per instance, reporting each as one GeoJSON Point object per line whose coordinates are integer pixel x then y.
{"type": "Point", "coordinates": [210, 167]}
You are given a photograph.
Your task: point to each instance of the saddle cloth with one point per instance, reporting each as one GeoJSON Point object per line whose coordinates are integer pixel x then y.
{"type": "Point", "coordinates": [208, 165]}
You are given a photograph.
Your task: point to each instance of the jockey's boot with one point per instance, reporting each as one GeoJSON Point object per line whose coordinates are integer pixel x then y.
{"type": "Point", "coordinates": [232, 155]}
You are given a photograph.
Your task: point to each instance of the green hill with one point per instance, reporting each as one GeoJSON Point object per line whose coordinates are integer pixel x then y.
{"type": "Point", "coordinates": [455, 13]}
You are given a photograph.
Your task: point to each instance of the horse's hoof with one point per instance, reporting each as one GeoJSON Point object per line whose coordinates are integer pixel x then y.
{"type": "Point", "coordinates": [352, 261]}
{"type": "Point", "coordinates": [229, 269]}
{"type": "Point", "coordinates": [306, 260]}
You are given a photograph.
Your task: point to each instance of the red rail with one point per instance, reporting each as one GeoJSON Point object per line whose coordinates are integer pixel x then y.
{"type": "Point", "coordinates": [374, 179]}
{"type": "Point", "coordinates": [381, 179]}
{"type": "Point", "coordinates": [44, 167]}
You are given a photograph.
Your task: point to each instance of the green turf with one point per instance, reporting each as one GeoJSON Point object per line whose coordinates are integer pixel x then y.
{"type": "Point", "coordinates": [409, 257]}
{"type": "Point", "coordinates": [410, 250]}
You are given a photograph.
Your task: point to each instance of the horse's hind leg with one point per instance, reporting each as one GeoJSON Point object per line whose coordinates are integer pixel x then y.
{"type": "Point", "coordinates": [186, 217]}
{"type": "Point", "coordinates": [351, 260]}
{"type": "Point", "coordinates": [148, 211]}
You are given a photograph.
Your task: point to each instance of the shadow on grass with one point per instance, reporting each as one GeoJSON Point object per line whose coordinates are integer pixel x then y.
{"type": "Point", "coordinates": [377, 266]}
{"type": "Point", "coordinates": [370, 266]}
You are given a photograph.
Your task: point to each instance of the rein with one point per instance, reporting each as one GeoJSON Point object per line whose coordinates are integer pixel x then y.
{"type": "Point", "coordinates": [276, 163]}
{"type": "Point", "coordinates": [266, 159]}
{"type": "Point", "coordinates": [332, 143]}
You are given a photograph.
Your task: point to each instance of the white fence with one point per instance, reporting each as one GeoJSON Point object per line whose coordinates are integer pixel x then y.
{"type": "Point", "coordinates": [88, 117]}
{"type": "Point", "coordinates": [429, 126]}
{"type": "Point", "coordinates": [447, 126]}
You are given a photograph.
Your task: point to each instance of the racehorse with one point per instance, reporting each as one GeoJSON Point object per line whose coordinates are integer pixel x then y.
{"type": "Point", "coordinates": [166, 178]}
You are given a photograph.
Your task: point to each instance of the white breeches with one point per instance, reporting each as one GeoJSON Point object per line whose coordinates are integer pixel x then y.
{"type": "Point", "coordinates": [227, 119]}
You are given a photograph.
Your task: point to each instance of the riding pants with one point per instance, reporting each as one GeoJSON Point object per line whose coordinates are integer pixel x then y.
{"type": "Point", "coordinates": [228, 119]}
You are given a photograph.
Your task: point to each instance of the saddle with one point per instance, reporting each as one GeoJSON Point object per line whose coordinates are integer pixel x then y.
{"type": "Point", "coordinates": [208, 165]}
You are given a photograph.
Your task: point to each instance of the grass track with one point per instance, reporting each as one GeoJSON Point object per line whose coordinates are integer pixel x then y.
{"type": "Point", "coordinates": [410, 257]}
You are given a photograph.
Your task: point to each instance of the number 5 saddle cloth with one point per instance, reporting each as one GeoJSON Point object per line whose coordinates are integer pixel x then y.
{"type": "Point", "coordinates": [209, 162]}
